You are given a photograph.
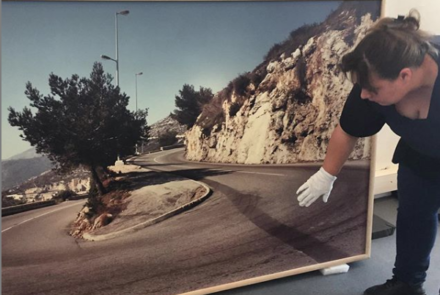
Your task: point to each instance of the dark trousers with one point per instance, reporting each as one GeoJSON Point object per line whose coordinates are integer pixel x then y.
{"type": "Point", "coordinates": [416, 229]}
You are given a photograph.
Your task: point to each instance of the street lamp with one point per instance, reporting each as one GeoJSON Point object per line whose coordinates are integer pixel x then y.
{"type": "Point", "coordinates": [108, 57]}
{"type": "Point", "coordinates": [116, 60]}
{"type": "Point", "coordinates": [136, 85]}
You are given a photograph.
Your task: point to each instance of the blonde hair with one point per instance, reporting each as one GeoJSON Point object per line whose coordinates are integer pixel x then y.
{"type": "Point", "coordinates": [389, 46]}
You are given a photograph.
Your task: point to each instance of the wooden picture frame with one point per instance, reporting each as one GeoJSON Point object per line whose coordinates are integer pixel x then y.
{"type": "Point", "coordinates": [250, 229]}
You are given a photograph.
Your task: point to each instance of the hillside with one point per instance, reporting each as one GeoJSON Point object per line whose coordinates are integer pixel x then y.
{"type": "Point", "coordinates": [285, 110]}
{"type": "Point", "coordinates": [46, 185]}
{"type": "Point", "coordinates": [161, 127]}
{"type": "Point", "coordinates": [29, 176]}
{"type": "Point", "coordinates": [23, 166]}
{"type": "Point", "coordinates": [28, 154]}
{"type": "Point", "coordinates": [166, 125]}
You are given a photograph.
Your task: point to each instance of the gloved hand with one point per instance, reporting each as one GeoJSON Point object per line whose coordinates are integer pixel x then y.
{"type": "Point", "coordinates": [319, 184]}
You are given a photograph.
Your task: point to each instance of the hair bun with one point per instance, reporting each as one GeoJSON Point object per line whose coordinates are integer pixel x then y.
{"type": "Point", "coordinates": [411, 23]}
{"type": "Point", "coordinates": [412, 20]}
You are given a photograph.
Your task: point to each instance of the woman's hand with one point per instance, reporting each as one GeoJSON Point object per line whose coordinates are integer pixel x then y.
{"type": "Point", "coordinates": [319, 184]}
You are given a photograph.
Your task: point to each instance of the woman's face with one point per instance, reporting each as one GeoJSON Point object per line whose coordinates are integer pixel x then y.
{"type": "Point", "coordinates": [385, 92]}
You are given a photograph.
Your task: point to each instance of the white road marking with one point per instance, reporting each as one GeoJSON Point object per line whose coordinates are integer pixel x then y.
{"type": "Point", "coordinates": [155, 160]}
{"type": "Point", "coordinates": [261, 173]}
{"type": "Point", "coordinates": [38, 217]}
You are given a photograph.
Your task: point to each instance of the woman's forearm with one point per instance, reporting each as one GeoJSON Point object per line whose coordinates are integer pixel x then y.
{"type": "Point", "coordinates": [339, 149]}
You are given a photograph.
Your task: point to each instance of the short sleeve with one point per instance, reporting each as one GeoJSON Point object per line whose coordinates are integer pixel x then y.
{"type": "Point", "coordinates": [359, 117]}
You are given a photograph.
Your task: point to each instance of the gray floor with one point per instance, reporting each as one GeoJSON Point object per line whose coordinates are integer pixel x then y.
{"type": "Point", "coordinates": [361, 275]}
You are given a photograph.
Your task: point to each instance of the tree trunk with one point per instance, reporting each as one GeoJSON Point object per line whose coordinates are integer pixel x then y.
{"type": "Point", "coordinates": [99, 186]}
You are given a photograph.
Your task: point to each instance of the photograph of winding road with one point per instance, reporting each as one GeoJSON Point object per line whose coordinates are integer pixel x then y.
{"type": "Point", "coordinates": [203, 200]}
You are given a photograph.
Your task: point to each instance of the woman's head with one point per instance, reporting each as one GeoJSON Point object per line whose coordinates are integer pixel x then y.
{"type": "Point", "coordinates": [390, 49]}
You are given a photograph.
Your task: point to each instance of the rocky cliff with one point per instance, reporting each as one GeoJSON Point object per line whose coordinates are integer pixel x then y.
{"type": "Point", "coordinates": [286, 109]}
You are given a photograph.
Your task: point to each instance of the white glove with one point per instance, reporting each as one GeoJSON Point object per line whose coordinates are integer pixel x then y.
{"type": "Point", "coordinates": [319, 184]}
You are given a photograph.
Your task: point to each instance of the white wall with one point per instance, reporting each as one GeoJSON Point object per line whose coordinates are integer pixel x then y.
{"type": "Point", "coordinates": [385, 177]}
{"type": "Point", "coordinates": [429, 11]}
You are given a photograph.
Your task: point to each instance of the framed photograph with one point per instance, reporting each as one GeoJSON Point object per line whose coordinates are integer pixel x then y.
{"type": "Point", "coordinates": [271, 71]}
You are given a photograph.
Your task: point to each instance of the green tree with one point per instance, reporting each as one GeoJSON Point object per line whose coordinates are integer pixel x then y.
{"type": "Point", "coordinates": [189, 104]}
{"type": "Point", "coordinates": [81, 122]}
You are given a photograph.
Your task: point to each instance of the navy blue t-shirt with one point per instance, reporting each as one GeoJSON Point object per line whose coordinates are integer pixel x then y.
{"type": "Point", "coordinates": [419, 144]}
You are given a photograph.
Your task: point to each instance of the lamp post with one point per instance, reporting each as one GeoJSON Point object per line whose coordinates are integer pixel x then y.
{"type": "Point", "coordinates": [136, 86]}
{"type": "Point", "coordinates": [124, 12]}
{"type": "Point", "coordinates": [116, 60]}
{"type": "Point", "coordinates": [136, 89]}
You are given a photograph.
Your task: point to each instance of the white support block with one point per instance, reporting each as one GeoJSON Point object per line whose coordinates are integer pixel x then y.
{"type": "Point", "coordinates": [343, 268]}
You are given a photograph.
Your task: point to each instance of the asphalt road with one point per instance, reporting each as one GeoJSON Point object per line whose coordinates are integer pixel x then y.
{"type": "Point", "coordinates": [250, 226]}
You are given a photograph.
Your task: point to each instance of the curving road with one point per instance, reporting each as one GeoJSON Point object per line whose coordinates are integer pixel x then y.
{"type": "Point", "coordinates": [250, 226]}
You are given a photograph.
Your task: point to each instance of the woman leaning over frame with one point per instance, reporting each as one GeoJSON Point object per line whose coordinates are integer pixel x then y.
{"type": "Point", "coordinates": [395, 70]}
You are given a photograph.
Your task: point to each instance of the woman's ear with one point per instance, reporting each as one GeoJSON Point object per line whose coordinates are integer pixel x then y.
{"type": "Point", "coordinates": [405, 74]}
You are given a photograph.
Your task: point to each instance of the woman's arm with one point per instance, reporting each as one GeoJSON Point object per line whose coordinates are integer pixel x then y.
{"type": "Point", "coordinates": [339, 149]}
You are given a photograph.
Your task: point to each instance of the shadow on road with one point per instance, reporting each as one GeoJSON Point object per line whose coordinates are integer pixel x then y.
{"type": "Point", "coordinates": [195, 174]}
{"type": "Point", "coordinates": [306, 242]}
{"type": "Point", "coordinates": [150, 164]}
{"type": "Point", "coordinates": [157, 176]}
{"type": "Point", "coordinates": [141, 179]}
{"type": "Point", "coordinates": [200, 174]}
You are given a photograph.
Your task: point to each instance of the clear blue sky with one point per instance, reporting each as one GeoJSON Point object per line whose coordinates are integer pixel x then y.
{"type": "Point", "coordinates": [200, 43]}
